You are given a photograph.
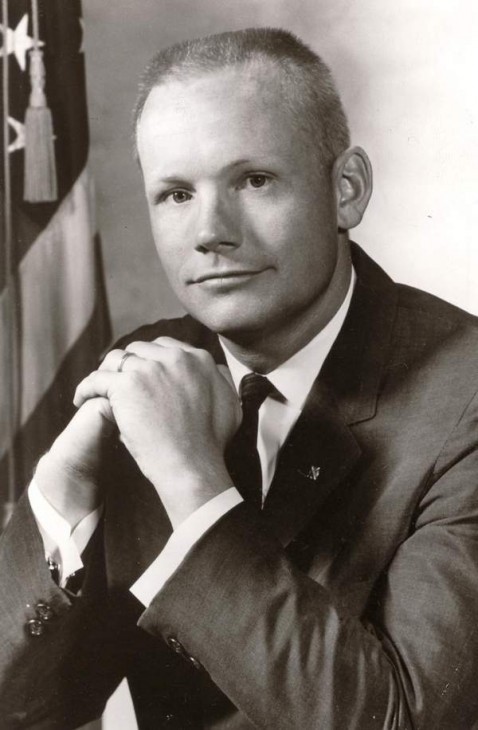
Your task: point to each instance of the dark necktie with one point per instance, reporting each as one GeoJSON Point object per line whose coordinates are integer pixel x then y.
{"type": "Point", "coordinates": [242, 457]}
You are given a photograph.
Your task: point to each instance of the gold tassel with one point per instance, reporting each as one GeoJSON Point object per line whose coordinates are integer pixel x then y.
{"type": "Point", "coordinates": [40, 184]}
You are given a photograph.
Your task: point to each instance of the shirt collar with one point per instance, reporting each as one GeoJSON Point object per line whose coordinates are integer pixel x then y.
{"type": "Point", "coordinates": [294, 377]}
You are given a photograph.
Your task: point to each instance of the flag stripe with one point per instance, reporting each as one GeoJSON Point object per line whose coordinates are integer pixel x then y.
{"type": "Point", "coordinates": [54, 302]}
{"type": "Point", "coordinates": [57, 321]}
{"type": "Point", "coordinates": [54, 409]}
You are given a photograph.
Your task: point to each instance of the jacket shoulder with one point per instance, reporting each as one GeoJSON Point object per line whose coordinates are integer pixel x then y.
{"type": "Point", "coordinates": [426, 324]}
{"type": "Point", "coordinates": [186, 329]}
{"type": "Point", "coordinates": [421, 303]}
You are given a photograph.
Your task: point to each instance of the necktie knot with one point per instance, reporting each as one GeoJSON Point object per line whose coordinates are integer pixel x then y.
{"type": "Point", "coordinates": [253, 390]}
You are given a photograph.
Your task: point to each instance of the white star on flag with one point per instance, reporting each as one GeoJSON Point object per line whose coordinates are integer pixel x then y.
{"type": "Point", "coordinates": [19, 42]}
{"type": "Point", "coordinates": [19, 141]}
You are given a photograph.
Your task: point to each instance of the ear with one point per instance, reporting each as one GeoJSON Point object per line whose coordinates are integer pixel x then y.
{"type": "Point", "coordinates": [353, 183]}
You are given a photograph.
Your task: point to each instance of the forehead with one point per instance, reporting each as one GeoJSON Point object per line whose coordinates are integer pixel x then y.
{"type": "Point", "coordinates": [242, 82]}
{"type": "Point", "coordinates": [239, 106]}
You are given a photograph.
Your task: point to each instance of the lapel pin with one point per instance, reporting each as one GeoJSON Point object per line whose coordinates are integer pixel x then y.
{"type": "Point", "coordinates": [312, 474]}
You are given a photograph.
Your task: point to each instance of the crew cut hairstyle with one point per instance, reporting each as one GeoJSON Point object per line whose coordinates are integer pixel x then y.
{"type": "Point", "coordinates": [308, 90]}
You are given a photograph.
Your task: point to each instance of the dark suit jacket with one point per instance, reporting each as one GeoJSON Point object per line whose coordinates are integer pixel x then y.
{"type": "Point", "coordinates": [351, 602]}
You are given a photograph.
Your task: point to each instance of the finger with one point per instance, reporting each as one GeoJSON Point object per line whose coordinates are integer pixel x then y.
{"type": "Point", "coordinates": [96, 406]}
{"type": "Point", "coordinates": [98, 383]}
{"type": "Point", "coordinates": [112, 360]}
{"type": "Point", "coordinates": [116, 361]}
{"type": "Point", "coordinates": [171, 342]}
{"type": "Point", "coordinates": [93, 419]}
{"type": "Point", "coordinates": [156, 350]}
{"type": "Point", "coordinates": [147, 350]}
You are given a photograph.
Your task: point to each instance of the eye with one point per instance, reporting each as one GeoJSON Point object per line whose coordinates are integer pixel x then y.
{"type": "Point", "coordinates": [178, 196]}
{"type": "Point", "coordinates": [258, 180]}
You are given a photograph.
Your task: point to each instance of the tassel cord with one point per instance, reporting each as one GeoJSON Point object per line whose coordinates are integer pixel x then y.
{"type": "Point", "coordinates": [36, 25]}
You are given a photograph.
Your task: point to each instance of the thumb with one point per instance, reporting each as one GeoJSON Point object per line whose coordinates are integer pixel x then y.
{"type": "Point", "coordinates": [93, 421]}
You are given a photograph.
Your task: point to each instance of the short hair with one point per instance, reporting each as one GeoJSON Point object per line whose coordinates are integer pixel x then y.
{"type": "Point", "coordinates": [309, 90]}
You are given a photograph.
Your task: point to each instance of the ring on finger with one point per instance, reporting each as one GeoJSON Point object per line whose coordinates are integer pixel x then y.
{"type": "Point", "coordinates": [121, 363]}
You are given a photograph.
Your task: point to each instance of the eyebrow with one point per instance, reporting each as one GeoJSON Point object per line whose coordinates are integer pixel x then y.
{"type": "Point", "coordinates": [170, 180]}
{"type": "Point", "coordinates": [238, 163]}
{"type": "Point", "coordinates": [178, 180]}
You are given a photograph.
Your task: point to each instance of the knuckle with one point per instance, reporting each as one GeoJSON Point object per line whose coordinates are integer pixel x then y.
{"type": "Point", "coordinates": [204, 356]}
{"type": "Point", "coordinates": [149, 366]}
{"type": "Point", "coordinates": [164, 339]}
{"type": "Point", "coordinates": [175, 356]}
{"type": "Point", "coordinates": [111, 357]}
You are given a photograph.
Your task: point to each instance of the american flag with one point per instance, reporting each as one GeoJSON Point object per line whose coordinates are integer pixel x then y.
{"type": "Point", "coordinates": [53, 315]}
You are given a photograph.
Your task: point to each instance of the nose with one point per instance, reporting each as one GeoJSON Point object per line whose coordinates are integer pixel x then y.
{"type": "Point", "coordinates": [217, 223]}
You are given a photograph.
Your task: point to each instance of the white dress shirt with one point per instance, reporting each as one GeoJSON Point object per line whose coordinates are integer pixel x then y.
{"type": "Point", "coordinates": [293, 379]}
{"type": "Point", "coordinates": [62, 543]}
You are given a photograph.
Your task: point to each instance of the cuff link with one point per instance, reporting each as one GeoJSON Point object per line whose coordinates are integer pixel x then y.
{"type": "Point", "coordinates": [44, 614]}
{"type": "Point", "coordinates": [54, 569]}
{"type": "Point", "coordinates": [35, 627]}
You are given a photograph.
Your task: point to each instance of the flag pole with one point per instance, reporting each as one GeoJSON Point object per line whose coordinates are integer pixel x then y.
{"type": "Point", "coordinates": [11, 389]}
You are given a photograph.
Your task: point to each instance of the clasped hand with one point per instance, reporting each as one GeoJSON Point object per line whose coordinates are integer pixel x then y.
{"type": "Point", "coordinates": [175, 410]}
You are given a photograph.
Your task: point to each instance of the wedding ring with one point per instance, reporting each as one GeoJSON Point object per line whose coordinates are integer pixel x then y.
{"type": "Point", "coordinates": [125, 356]}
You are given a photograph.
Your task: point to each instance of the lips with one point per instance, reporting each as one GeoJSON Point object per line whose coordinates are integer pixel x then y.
{"type": "Point", "coordinates": [228, 274]}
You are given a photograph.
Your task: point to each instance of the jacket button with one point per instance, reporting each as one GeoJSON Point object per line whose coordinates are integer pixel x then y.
{"type": "Point", "coordinates": [44, 612]}
{"type": "Point", "coordinates": [197, 665]}
{"type": "Point", "coordinates": [35, 627]}
{"type": "Point", "coordinates": [175, 645]}
{"type": "Point", "coordinates": [178, 648]}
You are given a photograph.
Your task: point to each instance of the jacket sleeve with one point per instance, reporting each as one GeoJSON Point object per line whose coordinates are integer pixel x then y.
{"type": "Point", "coordinates": [51, 641]}
{"type": "Point", "coordinates": [278, 646]}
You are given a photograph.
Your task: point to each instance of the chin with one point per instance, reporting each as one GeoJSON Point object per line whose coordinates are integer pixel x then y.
{"type": "Point", "coordinates": [243, 334]}
{"type": "Point", "coordinates": [232, 326]}
{"type": "Point", "coordinates": [224, 315]}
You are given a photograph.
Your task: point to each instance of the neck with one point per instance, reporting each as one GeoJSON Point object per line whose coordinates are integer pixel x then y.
{"type": "Point", "coordinates": [263, 352]}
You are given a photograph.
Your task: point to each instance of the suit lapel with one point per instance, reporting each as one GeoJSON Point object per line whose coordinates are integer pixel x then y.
{"type": "Point", "coordinates": [353, 370]}
{"type": "Point", "coordinates": [322, 449]}
{"type": "Point", "coordinates": [317, 456]}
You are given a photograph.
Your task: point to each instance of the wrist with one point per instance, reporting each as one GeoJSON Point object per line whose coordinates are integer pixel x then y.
{"type": "Point", "coordinates": [183, 490]}
{"type": "Point", "coordinates": [180, 510]}
{"type": "Point", "coordinates": [72, 494]}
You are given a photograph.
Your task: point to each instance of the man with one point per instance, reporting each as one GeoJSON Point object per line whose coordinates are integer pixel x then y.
{"type": "Point", "coordinates": [341, 589]}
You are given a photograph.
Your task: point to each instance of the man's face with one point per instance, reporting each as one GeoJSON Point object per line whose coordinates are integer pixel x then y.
{"type": "Point", "coordinates": [243, 221]}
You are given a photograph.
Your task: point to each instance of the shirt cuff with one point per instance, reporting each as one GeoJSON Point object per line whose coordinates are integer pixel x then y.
{"type": "Point", "coordinates": [61, 543]}
{"type": "Point", "coordinates": [180, 543]}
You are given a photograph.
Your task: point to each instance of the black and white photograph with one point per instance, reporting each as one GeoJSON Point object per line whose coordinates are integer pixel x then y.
{"type": "Point", "coordinates": [238, 365]}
